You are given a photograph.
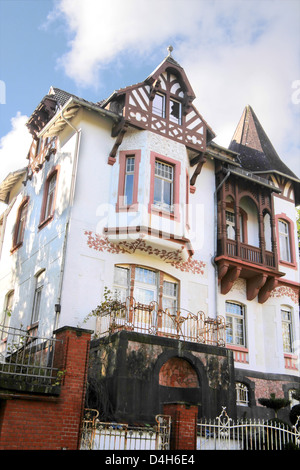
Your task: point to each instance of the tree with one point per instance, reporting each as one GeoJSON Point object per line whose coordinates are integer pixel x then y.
{"type": "Point", "coordinates": [274, 403]}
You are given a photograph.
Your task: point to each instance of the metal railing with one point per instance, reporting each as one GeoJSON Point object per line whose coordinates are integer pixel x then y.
{"type": "Point", "coordinates": [150, 319]}
{"type": "Point", "coordinates": [23, 354]}
{"type": "Point", "coordinates": [97, 435]}
{"type": "Point", "coordinates": [223, 433]}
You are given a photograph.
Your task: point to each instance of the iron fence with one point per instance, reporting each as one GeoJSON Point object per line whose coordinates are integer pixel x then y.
{"type": "Point", "coordinates": [97, 435]}
{"type": "Point", "coordinates": [150, 319]}
{"type": "Point", "coordinates": [223, 433]}
{"type": "Point", "coordinates": [24, 354]}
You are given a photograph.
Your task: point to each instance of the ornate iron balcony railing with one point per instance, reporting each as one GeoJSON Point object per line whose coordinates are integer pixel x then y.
{"type": "Point", "coordinates": [150, 319]}
{"type": "Point", "coordinates": [22, 354]}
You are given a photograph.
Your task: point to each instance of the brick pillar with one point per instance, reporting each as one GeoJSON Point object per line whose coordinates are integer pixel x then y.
{"type": "Point", "coordinates": [183, 425]}
{"type": "Point", "coordinates": [46, 421]}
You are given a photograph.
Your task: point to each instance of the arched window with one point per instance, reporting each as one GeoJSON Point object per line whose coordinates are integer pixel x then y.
{"type": "Point", "coordinates": [284, 240]}
{"type": "Point", "coordinates": [6, 314]}
{"type": "Point", "coordinates": [242, 394]}
{"type": "Point", "coordinates": [146, 285]}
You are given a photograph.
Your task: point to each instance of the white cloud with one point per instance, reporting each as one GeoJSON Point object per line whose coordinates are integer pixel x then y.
{"type": "Point", "coordinates": [14, 146]}
{"type": "Point", "coordinates": [235, 52]}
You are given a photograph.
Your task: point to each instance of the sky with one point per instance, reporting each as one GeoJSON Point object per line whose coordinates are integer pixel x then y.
{"type": "Point", "coordinates": [234, 52]}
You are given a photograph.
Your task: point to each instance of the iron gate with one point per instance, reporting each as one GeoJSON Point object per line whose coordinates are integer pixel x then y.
{"type": "Point", "coordinates": [97, 435]}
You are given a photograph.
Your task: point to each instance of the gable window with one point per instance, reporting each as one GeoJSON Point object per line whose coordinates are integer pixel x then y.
{"type": "Point", "coordinates": [39, 284]}
{"type": "Point", "coordinates": [286, 322]}
{"type": "Point", "coordinates": [175, 111]}
{"type": "Point", "coordinates": [20, 224]}
{"type": "Point", "coordinates": [127, 198]}
{"type": "Point", "coordinates": [235, 324]}
{"type": "Point", "coordinates": [48, 204]}
{"type": "Point", "coordinates": [284, 241]}
{"type": "Point", "coordinates": [159, 105]}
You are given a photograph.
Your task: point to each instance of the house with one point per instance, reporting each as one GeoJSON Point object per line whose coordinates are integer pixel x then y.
{"type": "Point", "coordinates": [193, 246]}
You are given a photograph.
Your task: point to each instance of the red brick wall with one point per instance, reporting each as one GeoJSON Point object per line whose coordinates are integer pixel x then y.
{"type": "Point", "coordinates": [183, 425]}
{"type": "Point", "coordinates": [40, 422]}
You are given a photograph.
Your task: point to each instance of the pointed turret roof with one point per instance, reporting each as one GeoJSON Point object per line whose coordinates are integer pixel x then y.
{"type": "Point", "coordinates": [255, 149]}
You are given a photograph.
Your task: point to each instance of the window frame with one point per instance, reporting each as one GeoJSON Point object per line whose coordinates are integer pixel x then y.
{"type": "Point", "coordinates": [241, 388]}
{"type": "Point", "coordinates": [153, 208]}
{"type": "Point", "coordinates": [234, 316]}
{"type": "Point", "coordinates": [22, 214]}
{"type": "Point", "coordinates": [287, 323]}
{"type": "Point", "coordinates": [39, 286]}
{"type": "Point", "coordinates": [291, 238]}
{"type": "Point", "coordinates": [47, 216]}
{"type": "Point", "coordinates": [5, 316]}
{"type": "Point", "coordinates": [123, 155]}
{"type": "Point", "coordinates": [157, 287]}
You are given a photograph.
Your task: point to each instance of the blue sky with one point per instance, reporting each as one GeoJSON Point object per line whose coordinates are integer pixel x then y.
{"type": "Point", "coordinates": [235, 52]}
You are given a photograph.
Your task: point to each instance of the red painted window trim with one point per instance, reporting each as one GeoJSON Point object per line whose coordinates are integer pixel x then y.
{"type": "Point", "coordinates": [44, 221]}
{"type": "Point", "coordinates": [120, 206]}
{"type": "Point", "coordinates": [152, 209]}
{"type": "Point", "coordinates": [293, 263]}
{"type": "Point", "coordinates": [18, 244]}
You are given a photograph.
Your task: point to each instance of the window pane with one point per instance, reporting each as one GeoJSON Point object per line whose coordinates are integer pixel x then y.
{"type": "Point", "coordinates": [167, 196]}
{"type": "Point", "coordinates": [284, 242]}
{"type": "Point", "coordinates": [50, 196]}
{"type": "Point", "coordinates": [235, 324]}
{"type": "Point", "coordinates": [145, 275]}
{"type": "Point", "coordinates": [144, 296]}
{"type": "Point", "coordinates": [128, 196]}
{"type": "Point", "coordinates": [158, 106]}
{"type": "Point", "coordinates": [286, 319]}
{"type": "Point", "coordinates": [121, 276]}
{"type": "Point", "coordinates": [175, 111]}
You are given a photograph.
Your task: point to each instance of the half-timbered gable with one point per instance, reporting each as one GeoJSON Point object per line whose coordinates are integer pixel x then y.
{"type": "Point", "coordinates": [163, 104]}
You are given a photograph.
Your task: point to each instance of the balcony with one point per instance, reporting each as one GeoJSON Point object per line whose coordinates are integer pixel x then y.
{"type": "Point", "coordinates": [26, 358]}
{"type": "Point", "coordinates": [149, 319]}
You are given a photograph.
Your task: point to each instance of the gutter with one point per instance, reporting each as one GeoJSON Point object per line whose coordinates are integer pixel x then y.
{"type": "Point", "coordinates": [71, 200]}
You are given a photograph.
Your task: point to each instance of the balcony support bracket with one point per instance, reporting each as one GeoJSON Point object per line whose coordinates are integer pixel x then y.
{"type": "Point", "coordinates": [229, 278]}
{"type": "Point", "coordinates": [266, 290]}
{"type": "Point", "coordinates": [255, 284]}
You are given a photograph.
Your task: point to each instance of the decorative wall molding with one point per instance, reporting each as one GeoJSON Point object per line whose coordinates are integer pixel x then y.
{"type": "Point", "coordinates": [283, 291]}
{"type": "Point", "coordinates": [101, 243]}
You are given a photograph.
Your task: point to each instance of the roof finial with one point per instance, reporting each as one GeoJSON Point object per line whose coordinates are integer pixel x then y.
{"type": "Point", "coordinates": [170, 49]}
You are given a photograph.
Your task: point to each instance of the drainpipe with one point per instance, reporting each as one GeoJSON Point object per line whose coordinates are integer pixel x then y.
{"type": "Point", "coordinates": [216, 238]}
{"type": "Point", "coordinates": [71, 200]}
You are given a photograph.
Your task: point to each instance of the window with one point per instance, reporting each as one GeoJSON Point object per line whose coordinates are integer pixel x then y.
{"type": "Point", "coordinates": [20, 223]}
{"type": "Point", "coordinates": [158, 105]}
{"type": "Point", "coordinates": [235, 324]}
{"type": "Point", "coordinates": [175, 113]}
{"type": "Point", "coordinates": [5, 319]}
{"type": "Point", "coordinates": [48, 204]}
{"type": "Point", "coordinates": [121, 283]}
{"type": "Point", "coordinates": [163, 185]}
{"type": "Point", "coordinates": [242, 394]}
{"type": "Point", "coordinates": [128, 180]}
{"type": "Point", "coordinates": [286, 321]}
{"type": "Point", "coordinates": [40, 278]}
{"type": "Point", "coordinates": [284, 242]}
{"type": "Point", "coordinates": [169, 300]}
{"type": "Point", "coordinates": [50, 196]}
{"type": "Point", "coordinates": [230, 224]}
{"type": "Point", "coordinates": [145, 286]}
